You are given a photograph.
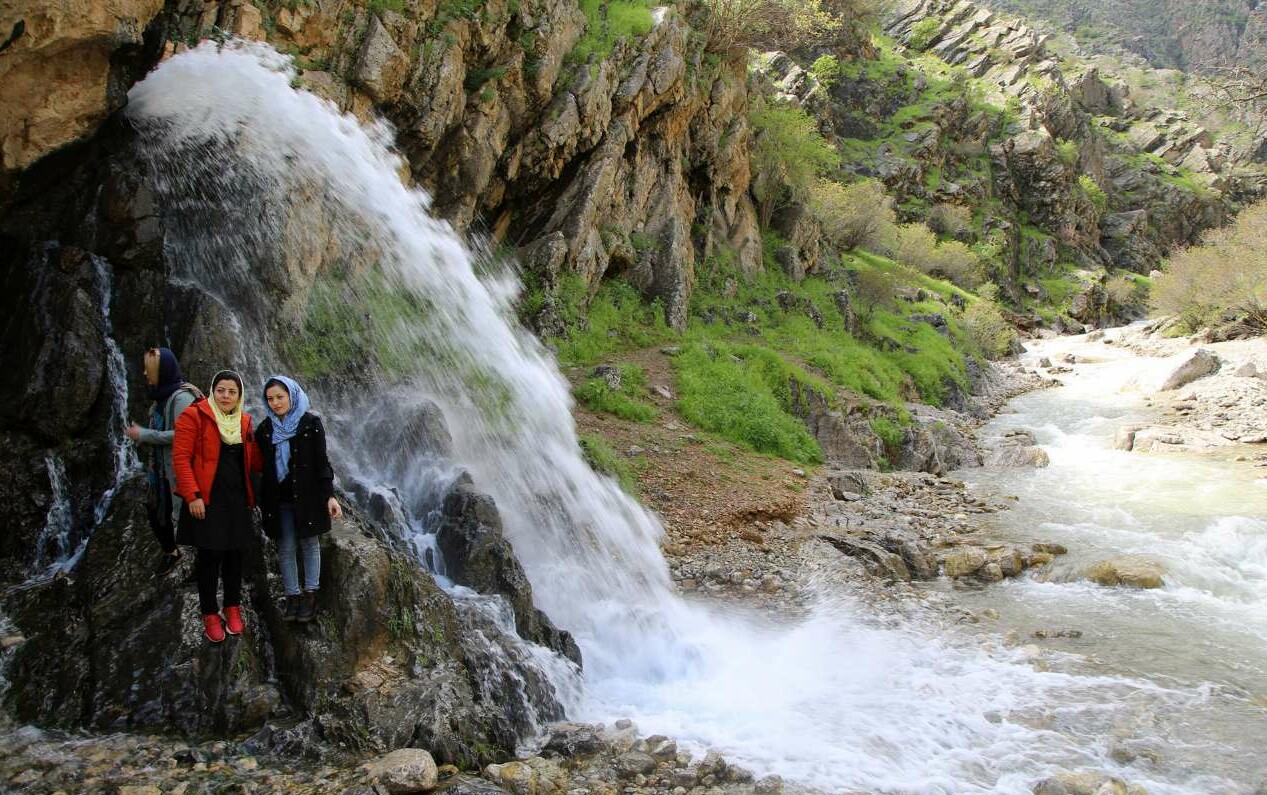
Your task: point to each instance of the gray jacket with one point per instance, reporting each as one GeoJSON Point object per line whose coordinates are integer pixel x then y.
{"type": "Point", "coordinates": [180, 400]}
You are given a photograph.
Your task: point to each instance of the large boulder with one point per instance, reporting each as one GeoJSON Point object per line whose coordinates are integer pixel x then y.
{"type": "Point", "coordinates": [1127, 570]}
{"type": "Point", "coordinates": [477, 554]}
{"type": "Point", "coordinates": [387, 664]}
{"type": "Point", "coordinates": [1015, 449]}
{"type": "Point", "coordinates": [1197, 364]}
{"type": "Point", "coordinates": [935, 443]}
{"type": "Point", "coordinates": [1086, 783]}
{"type": "Point", "coordinates": [404, 771]}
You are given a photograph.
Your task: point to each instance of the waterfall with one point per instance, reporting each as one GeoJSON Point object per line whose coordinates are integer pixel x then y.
{"type": "Point", "coordinates": [124, 452]}
{"type": "Point", "coordinates": [247, 164]}
{"type": "Point", "coordinates": [60, 543]}
{"type": "Point", "coordinates": [294, 219]}
{"type": "Point", "coordinates": [54, 539]}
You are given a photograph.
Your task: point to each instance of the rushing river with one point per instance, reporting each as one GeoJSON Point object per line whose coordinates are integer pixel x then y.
{"type": "Point", "coordinates": [1198, 645]}
{"type": "Point", "coordinates": [839, 701]}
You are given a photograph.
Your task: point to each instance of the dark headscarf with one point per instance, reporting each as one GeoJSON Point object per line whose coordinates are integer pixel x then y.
{"type": "Point", "coordinates": [169, 376]}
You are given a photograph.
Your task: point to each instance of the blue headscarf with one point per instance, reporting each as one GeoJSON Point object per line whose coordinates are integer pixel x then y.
{"type": "Point", "coordinates": [284, 427]}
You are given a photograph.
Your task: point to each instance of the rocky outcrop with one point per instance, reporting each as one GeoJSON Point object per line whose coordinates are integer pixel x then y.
{"type": "Point", "coordinates": [636, 164]}
{"type": "Point", "coordinates": [383, 667]}
{"type": "Point", "coordinates": [477, 555]}
{"type": "Point", "coordinates": [66, 67]}
{"type": "Point", "coordinates": [1159, 177]}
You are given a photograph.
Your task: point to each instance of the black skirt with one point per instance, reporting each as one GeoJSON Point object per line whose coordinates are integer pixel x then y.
{"type": "Point", "coordinates": [228, 523]}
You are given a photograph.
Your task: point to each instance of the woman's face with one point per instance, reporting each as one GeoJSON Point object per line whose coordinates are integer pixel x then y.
{"type": "Point", "coordinates": [226, 395]}
{"type": "Point", "coordinates": [151, 361]}
{"type": "Point", "coordinates": [278, 399]}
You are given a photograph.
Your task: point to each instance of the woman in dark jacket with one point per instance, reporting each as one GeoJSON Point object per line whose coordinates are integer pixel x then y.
{"type": "Point", "coordinates": [296, 490]}
{"type": "Point", "coordinates": [213, 456]}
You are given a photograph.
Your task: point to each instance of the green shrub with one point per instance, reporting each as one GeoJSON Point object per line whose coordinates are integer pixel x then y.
{"type": "Point", "coordinates": [607, 22]}
{"type": "Point", "coordinates": [917, 248]}
{"type": "Point", "coordinates": [889, 432]}
{"type": "Point", "coordinates": [1127, 290]}
{"type": "Point", "coordinates": [776, 24]}
{"type": "Point", "coordinates": [860, 214]}
{"type": "Point", "coordinates": [1067, 151]}
{"type": "Point", "coordinates": [874, 289]}
{"type": "Point", "coordinates": [986, 327]}
{"type": "Point", "coordinates": [1226, 274]}
{"type": "Point", "coordinates": [951, 220]}
{"type": "Point", "coordinates": [1094, 194]}
{"type": "Point", "coordinates": [959, 263]}
{"type": "Point", "coordinates": [922, 33]}
{"type": "Point", "coordinates": [826, 70]}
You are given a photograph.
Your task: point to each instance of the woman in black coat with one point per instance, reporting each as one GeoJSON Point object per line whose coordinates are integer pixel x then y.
{"type": "Point", "coordinates": [296, 491]}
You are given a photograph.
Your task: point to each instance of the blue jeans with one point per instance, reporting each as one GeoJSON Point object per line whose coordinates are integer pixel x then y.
{"type": "Point", "coordinates": [311, 548]}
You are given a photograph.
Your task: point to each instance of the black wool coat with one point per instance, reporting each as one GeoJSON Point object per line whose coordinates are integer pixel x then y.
{"type": "Point", "coordinates": [310, 473]}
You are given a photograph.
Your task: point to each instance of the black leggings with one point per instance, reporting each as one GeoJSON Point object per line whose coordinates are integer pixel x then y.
{"type": "Point", "coordinates": [210, 567]}
{"type": "Point", "coordinates": [159, 507]}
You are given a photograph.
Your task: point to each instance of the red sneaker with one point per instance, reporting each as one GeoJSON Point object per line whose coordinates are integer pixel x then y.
{"type": "Point", "coordinates": [233, 620]}
{"type": "Point", "coordinates": [213, 628]}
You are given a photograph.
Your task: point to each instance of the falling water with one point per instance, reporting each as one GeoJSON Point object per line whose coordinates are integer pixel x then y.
{"type": "Point", "coordinates": [295, 219]}
{"type": "Point", "coordinates": [54, 540]}
{"type": "Point", "coordinates": [124, 452]}
{"type": "Point", "coordinates": [60, 544]}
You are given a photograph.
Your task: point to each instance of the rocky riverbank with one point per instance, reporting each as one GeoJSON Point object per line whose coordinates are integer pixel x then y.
{"type": "Point", "coordinates": [1210, 397]}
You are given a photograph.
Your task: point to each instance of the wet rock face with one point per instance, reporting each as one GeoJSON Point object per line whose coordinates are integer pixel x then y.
{"type": "Point", "coordinates": [112, 647]}
{"type": "Point", "coordinates": [54, 342]}
{"type": "Point", "coordinates": [477, 555]}
{"type": "Point", "coordinates": [115, 648]}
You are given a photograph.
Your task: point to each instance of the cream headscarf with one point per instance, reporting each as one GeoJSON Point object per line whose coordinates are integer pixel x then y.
{"type": "Point", "coordinates": [230, 424]}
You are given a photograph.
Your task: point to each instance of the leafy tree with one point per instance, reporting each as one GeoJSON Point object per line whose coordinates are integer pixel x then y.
{"type": "Point", "coordinates": [789, 153]}
{"type": "Point", "coordinates": [1224, 277]}
{"type": "Point", "coordinates": [860, 214]}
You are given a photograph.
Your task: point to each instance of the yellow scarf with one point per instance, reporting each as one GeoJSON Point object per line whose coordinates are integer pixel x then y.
{"type": "Point", "coordinates": [230, 424]}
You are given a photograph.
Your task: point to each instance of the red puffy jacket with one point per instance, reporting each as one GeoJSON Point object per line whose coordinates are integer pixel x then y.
{"type": "Point", "coordinates": [196, 452]}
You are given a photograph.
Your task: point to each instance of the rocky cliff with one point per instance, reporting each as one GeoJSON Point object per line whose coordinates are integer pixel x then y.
{"type": "Point", "coordinates": [1190, 36]}
{"type": "Point", "coordinates": [1079, 176]}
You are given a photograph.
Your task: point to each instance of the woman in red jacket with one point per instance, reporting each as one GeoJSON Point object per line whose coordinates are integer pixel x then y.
{"type": "Point", "coordinates": [213, 456]}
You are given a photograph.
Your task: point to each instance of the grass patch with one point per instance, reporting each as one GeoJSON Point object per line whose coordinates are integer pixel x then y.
{"type": "Point", "coordinates": [625, 402]}
{"type": "Point", "coordinates": [606, 461]}
{"type": "Point", "coordinates": [615, 319]}
{"type": "Point", "coordinates": [744, 394]}
{"type": "Point", "coordinates": [608, 23]}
